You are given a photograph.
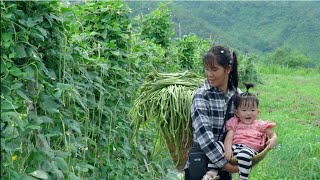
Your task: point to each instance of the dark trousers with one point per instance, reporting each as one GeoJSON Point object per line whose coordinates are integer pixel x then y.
{"type": "Point", "coordinates": [224, 175]}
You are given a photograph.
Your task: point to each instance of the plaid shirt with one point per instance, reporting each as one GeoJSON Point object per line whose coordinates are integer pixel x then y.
{"type": "Point", "coordinates": [208, 108]}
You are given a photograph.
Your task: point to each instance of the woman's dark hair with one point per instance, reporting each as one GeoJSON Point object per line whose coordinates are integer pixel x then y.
{"type": "Point", "coordinates": [224, 57]}
{"type": "Point", "coordinates": [246, 99]}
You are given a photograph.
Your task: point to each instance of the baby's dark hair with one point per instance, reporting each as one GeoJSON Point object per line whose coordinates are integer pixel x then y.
{"type": "Point", "coordinates": [246, 99]}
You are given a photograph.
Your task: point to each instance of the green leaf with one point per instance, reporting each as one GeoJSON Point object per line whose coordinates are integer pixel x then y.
{"type": "Point", "coordinates": [61, 154]}
{"type": "Point", "coordinates": [61, 163]}
{"type": "Point", "coordinates": [63, 86]}
{"type": "Point", "coordinates": [4, 69]}
{"type": "Point", "coordinates": [43, 139]}
{"type": "Point", "coordinates": [6, 105]}
{"type": "Point", "coordinates": [73, 176]}
{"type": "Point", "coordinates": [28, 72]}
{"type": "Point", "coordinates": [116, 53]}
{"type": "Point", "coordinates": [116, 67]}
{"type": "Point", "coordinates": [5, 116]}
{"type": "Point", "coordinates": [24, 96]}
{"type": "Point", "coordinates": [49, 105]}
{"type": "Point", "coordinates": [20, 51]}
{"type": "Point", "coordinates": [42, 31]}
{"type": "Point", "coordinates": [6, 44]}
{"type": "Point", "coordinates": [33, 127]}
{"type": "Point", "coordinates": [39, 174]}
{"type": "Point", "coordinates": [57, 93]}
{"type": "Point", "coordinates": [6, 37]}
{"type": "Point", "coordinates": [48, 152]}
{"type": "Point", "coordinates": [16, 85]}
{"type": "Point", "coordinates": [93, 33]}
{"type": "Point", "coordinates": [22, 21]}
{"type": "Point", "coordinates": [74, 125]}
{"type": "Point", "coordinates": [45, 119]}
{"type": "Point", "coordinates": [125, 36]}
{"type": "Point", "coordinates": [26, 177]}
{"type": "Point", "coordinates": [42, 67]}
{"type": "Point", "coordinates": [30, 22]}
{"type": "Point", "coordinates": [84, 167]}
{"type": "Point", "coordinates": [37, 35]}
{"type": "Point", "coordinates": [9, 15]}
{"type": "Point", "coordinates": [13, 133]}
{"type": "Point", "coordinates": [52, 74]}
{"type": "Point", "coordinates": [15, 71]}
{"type": "Point", "coordinates": [79, 100]}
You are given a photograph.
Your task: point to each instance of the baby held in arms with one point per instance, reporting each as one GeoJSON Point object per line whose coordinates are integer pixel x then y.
{"type": "Point", "coordinates": [246, 135]}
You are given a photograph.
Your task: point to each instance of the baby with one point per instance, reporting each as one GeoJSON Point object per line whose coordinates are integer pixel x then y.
{"type": "Point", "coordinates": [246, 135]}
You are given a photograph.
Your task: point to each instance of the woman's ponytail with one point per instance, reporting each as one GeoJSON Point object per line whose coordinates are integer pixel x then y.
{"type": "Point", "coordinates": [234, 77]}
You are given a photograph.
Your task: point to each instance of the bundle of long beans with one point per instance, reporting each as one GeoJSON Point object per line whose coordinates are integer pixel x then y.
{"type": "Point", "coordinates": [166, 98]}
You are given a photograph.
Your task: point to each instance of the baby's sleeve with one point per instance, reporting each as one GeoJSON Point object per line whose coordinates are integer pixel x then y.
{"type": "Point", "coordinates": [267, 124]}
{"type": "Point", "coordinates": [231, 123]}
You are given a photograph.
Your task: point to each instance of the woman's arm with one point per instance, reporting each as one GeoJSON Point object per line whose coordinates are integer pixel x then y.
{"type": "Point", "coordinates": [203, 122]}
{"type": "Point", "coordinates": [272, 138]}
{"type": "Point", "coordinates": [231, 168]}
{"type": "Point", "coordinates": [228, 144]}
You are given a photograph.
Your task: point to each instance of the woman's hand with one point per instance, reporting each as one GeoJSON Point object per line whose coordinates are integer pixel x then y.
{"type": "Point", "coordinates": [231, 168]}
{"type": "Point", "coordinates": [228, 154]}
{"type": "Point", "coordinates": [211, 175]}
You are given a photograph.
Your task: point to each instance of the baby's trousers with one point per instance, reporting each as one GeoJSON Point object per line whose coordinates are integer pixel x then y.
{"type": "Point", "coordinates": [244, 155]}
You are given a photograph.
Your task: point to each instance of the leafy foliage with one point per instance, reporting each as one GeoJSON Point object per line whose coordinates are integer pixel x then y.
{"type": "Point", "coordinates": [31, 55]}
{"type": "Point", "coordinates": [157, 26]}
{"type": "Point", "coordinates": [67, 78]}
{"type": "Point", "coordinates": [289, 57]}
{"type": "Point", "coordinates": [247, 70]}
{"type": "Point", "coordinates": [188, 51]}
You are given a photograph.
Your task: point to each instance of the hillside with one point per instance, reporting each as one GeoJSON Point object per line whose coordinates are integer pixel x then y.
{"type": "Point", "coordinates": [261, 27]}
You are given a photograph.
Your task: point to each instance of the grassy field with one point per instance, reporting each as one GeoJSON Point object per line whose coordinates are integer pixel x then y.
{"type": "Point", "coordinates": [291, 98]}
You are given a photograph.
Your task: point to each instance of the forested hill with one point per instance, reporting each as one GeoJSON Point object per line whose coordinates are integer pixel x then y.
{"type": "Point", "coordinates": [249, 26]}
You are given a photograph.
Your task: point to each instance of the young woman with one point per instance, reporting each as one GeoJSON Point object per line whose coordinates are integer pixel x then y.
{"type": "Point", "coordinates": [209, 110]}
{"type": "Point", "coordinates": [246, 135]}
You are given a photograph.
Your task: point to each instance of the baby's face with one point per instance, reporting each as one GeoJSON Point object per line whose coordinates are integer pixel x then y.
{"type": "Point", "coordinates": [247, 114]}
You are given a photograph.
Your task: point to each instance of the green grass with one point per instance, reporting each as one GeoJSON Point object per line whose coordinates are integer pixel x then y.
{"type": "Point", "coordinates": [292, 100]}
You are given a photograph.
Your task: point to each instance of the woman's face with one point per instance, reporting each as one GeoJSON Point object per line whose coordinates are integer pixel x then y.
{"type": "Point", "coordinates": [217, 75]}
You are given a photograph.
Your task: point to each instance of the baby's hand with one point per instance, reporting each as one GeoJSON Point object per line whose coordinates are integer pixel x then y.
{"type": "Point", "coordinates": [271, 143]}
{"type": "Point", "coordinates": [228, 154]}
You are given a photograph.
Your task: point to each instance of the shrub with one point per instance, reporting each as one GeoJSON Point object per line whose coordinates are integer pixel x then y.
{"type": "Point", "coordinates": [157, 26]}
{"type": "Point", "coordinates": [188, 51]}
{"type": "Point", "coordinates": [247, 70]}
{"type": "Point", "coordinates": [286, 56]}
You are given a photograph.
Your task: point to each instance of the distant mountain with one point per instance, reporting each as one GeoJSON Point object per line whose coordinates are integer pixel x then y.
{"type": "Point", "coordinates": [257, 26]}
